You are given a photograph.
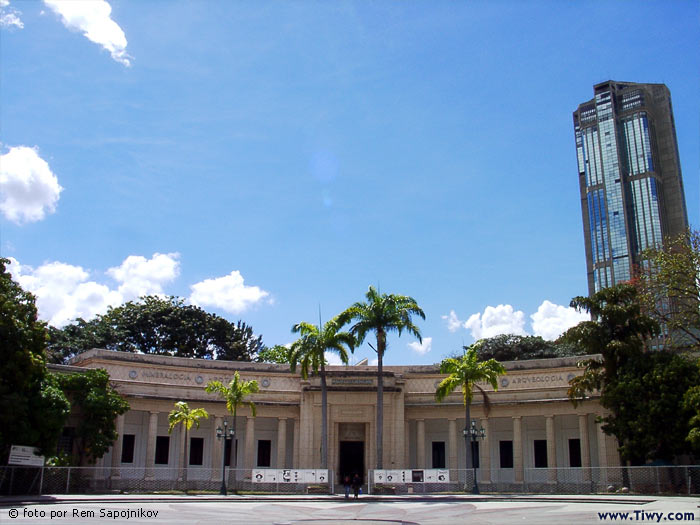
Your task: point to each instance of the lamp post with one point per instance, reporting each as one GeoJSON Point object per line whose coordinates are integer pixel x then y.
{"type": "Point", "coordinates": [224, 434]}
{"type": "Point", "coordinates": [472, 434]}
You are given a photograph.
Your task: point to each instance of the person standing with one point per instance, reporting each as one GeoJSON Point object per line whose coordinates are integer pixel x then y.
{"type": "Point", "coordinates": [356, 484]}
{"type": "Point", "coordinates": [346, 482]}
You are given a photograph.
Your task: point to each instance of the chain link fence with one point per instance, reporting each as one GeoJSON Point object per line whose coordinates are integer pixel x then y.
{"type": "Point", "coordinates": [98, 480]}
{"type": "Point", "coordinates": [679, 480]}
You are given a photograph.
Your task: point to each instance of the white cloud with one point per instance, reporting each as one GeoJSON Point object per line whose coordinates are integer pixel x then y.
{"type": "Point", "coordinates": [453, 322]}
{"type": "Point", "coordinates": [63, 291]}
{"type": "Point", "coordinates": [28, 188]}
{"type": "Point", "coordinates": [501, 319]}
{"type": "Point", "coordinates": [551, 320]}
{"type": "Point", "coordinates": [422, 348]}
{"type": "Point", "coordinates": [92, 18]}
{"type": "Point", "coordinates": [9, 16]}
{"type": "Point", "coordinates": [333, 359]}
{"type": "Point", "coordinates": [228, 293]}
{"type": "Point", "coordinates": [140, 276]}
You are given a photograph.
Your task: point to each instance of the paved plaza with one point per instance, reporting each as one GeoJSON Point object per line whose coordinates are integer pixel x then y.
{"type": "Point", "coordinates": [296, 510]}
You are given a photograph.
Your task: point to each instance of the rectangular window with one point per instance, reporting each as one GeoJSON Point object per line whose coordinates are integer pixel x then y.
{"type": "Point", "coordinates": [475, 454]}
{"type": "Point", "coordinates": [575, 453]}
{"type": "Point", "coordinates": [540, 453]}
{"type": "Point", "coordinates": [162, 450]}
{"type": "Point", "coordinates": [438, 454]}
{"type": "Point", "coordinates": [506, 453]}
{"type": "Point", "coordinates": [196, 451]}
{"type": "Point", "coordinates": [264, 452]}
{"type": "Point", "coordinates": [128, 441]}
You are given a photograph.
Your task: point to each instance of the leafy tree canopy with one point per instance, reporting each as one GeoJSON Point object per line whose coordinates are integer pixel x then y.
{"type": "Point", "coordinates": [162, 326]}
{"type": "Point", "coordinates": [511, 347]}
{"type": "Point", "coordinates": [32, 406]}
{"type": "Point", "coordinates": [277, 354]}
{"type": "Point", "coordinates": [96, 405]}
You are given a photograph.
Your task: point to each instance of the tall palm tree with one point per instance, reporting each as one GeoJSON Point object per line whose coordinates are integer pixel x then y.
{"type": "Point", "coordinates": [309, 352]}
{"type": "Point", "coordinates": [465, 372]}
{"type": "Point", "coordinates": [183, 415]}
{"type": "Point", "coordinates": [381, 314]}
{"type": "Point", "coordinates": [234, 394]}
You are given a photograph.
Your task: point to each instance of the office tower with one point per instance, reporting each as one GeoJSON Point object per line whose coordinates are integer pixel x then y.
{"type": "Point", "coordinates": [630, 177]}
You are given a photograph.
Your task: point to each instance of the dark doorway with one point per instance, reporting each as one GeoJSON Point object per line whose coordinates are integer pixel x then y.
{"type": "Point", "coordinates": [352, 460]}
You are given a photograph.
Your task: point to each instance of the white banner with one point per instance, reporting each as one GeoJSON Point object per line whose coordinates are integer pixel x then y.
{"type": "Point", "coordinates": [20, 455]}
{"type": "Point", "coordinates": [271, 475]}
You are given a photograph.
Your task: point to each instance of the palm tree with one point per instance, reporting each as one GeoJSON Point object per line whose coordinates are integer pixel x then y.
{"type": "Point", "coordinates": [186, 416]}
{"type": "Point", "coordinates": [234, 394]}
{"type": "Point", "coordinates": [465, 372]}
{"type": "Point", "coordinates": [309, 352]}
{"type": "Point", "coordinates": [381, 314]}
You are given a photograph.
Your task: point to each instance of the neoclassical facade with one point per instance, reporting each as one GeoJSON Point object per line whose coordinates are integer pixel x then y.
{"type": "Point", "coordinates": [530, 428]}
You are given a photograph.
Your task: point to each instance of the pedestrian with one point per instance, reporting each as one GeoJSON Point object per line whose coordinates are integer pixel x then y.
{"type": "Point", "coordinates": [346, 482]}
{"type": "Point", "coordinates": [356, 484]}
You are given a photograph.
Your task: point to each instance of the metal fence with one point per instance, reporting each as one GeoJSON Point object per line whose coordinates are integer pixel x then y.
{"type": "Point", "coordinates": [16, 480]}
{"type": "Point", "coordinates": [679, 480]}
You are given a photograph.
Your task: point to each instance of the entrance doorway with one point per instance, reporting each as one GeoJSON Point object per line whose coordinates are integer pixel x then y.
{"type": "Point", "coordinates": [351, 459]}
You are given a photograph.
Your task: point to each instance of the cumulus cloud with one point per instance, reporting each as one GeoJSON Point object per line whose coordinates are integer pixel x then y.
{"type": "Point", "coordinates": [551, 320]}
{"type": "Point", "coordinates": [63, 291]}
{"type": "Point", "coordinates": [422, 348]}
{"type": "Point", "coordinates": [501, 319]}
{"type": "Point", "coordinates": [228, 293]}
{"type": "Point", "coordinates": [92, 18]}
{"type": "Point", "coordinates": [332, 359]}
{"type": "Point", "coordinates": [9, 16]}
{"type": "Point", "coordinates": [140, 276]}
{"type": "Point", "coordinates": [28, 188]}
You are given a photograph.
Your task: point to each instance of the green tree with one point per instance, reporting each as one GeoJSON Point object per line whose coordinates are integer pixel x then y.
{"type": "Point", "coordinates": [511, 347]}
{"type": "Point", "coordinates": [668, 281]}
{"type": "Point", "coordinates": [382, 314]}
{"type": "Point", "coordinates": [234, 394]}
{"type": "Point", "coordinates": [95, 405]}
{"type": "Point", "coordinates": [465, 373]}
{"type": "Point", "coordinates": [33, 408]}
{"type": "Point", "coordinates": [278, 354]}
{"type": "Point", "coordinates": [161, 326]}
{"type": "Point", "coordinates": [309, 352]}
{"type": "Point", "coordinates": [691, 402]}
{"type": "Point", "coordinates": [183, 415]}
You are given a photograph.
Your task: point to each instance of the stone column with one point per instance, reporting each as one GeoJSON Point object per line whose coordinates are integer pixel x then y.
{"type": "Point", "coordinates": [485, 452]}
{"type": "Point", "coordinates": [306, 443]}
{"type": "Point", "coordinates": [281, 442]}
{"type": "Point", "coordinates": [518, 471]}
{"type": "Point", "coordinates": [117, 448]}
{"type": "Point", "coordinates": [407, 451]}
{"type": "Point", "coordinates": [249, 461]}
{"type": "Point", "coordinates": [295, 452]}
{"type": "Point", "coordinates": [216, 450]}
{"type": "Point", "coordinates": [182, 460]}
{"type": "Point", "coordinates": [602, 453]}
{"type": "Point", "coordinates": [398, 450]}
{"type": "Point", "coordinates": [452, 444]}
{"type": "Point", "coordinates": [420, 442]}
{"type": "Point", "coordinates": [551, 449]}
{"type": "Point", "coordinates": [585, 446]}
{"type": "Point", "coordinates": [151, 445]}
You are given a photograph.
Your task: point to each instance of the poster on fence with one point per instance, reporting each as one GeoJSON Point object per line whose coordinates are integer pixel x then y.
{"type": "Point", "coordinates": [443, 476]}
{"type": "Point", "coordinates": [271, 475]}
{"type": "Point", "coordinates": [322, 476]}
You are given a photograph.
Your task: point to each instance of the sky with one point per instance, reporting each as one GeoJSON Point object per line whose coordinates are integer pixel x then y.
{"type": "Point", "coordinates": [270, 160]}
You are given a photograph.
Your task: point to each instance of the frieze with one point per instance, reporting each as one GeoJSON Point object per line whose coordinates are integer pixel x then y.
{"type": "Point", "coordinates": [507, 382]}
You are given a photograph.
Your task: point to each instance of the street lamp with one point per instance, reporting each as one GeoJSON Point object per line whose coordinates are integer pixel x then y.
{"type": "Point", "coordinates": [472, 434]}
{"type": "Point", "coordinates": [224, 434]}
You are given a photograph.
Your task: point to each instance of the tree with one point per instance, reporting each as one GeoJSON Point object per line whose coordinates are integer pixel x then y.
{"type": "Point", "coordinates": [511, 347]}
{"type": "Point", "coordinates": [96, 405]}
{"type": "Point", "coordinates": [382, 314]}
{"type": "Point", "coordinates": [309, 351]}
{"type": "Point", "coordinates": [32, 406]}
{"type": "Point", "coordinates": [466, 373]}
{"type": "Point", "coordinates": [154, 325]}
{"type": "Point", "coordinates": [691, 402]}
{"type": "Point", "coordinates": [668, 281]}
{"type": "Point", "coordinates": [642, 389]}
{"type": "Point", "coordinates": [234, 394]}
{"type": "Point", "coordinates": [183, 415]}
{"type": "Point", "coordinates": [278, 354]}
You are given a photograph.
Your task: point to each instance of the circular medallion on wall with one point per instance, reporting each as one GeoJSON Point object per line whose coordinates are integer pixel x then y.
{"type": "Point", "coordinates": [570, 377]}
{"type": "Point", "coordinates": [265, 383]}
{"type": "Point", "coordinates": [504, 382]}
{"type": "Point", "coordinates": [133, 374]}
{"type": "Point", "coordinates": [199, 380]}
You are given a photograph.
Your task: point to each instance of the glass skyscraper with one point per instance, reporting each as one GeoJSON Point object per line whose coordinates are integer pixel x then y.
{"type": "Point", "coordinates": [630, 177]}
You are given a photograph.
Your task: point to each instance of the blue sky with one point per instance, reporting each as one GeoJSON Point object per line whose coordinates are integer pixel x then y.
{"type": "Point", "coordinates": [264, 158]}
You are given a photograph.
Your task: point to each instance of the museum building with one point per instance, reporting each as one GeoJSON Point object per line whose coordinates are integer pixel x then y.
{"type": "Point", "coordinates": [532, 430]}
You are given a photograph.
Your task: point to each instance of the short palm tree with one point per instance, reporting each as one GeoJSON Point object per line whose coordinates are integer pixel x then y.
{"type": "Point", "coordinates": [183, 415]}
{"type": "Point", "coordinates": [309, 353]}
{"type": "Point", "coordinates": [381, 314]}
{"type": "Point", "coordinates": [465, 372]}
{"type": "Point", "coordinates": [234, 394]}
